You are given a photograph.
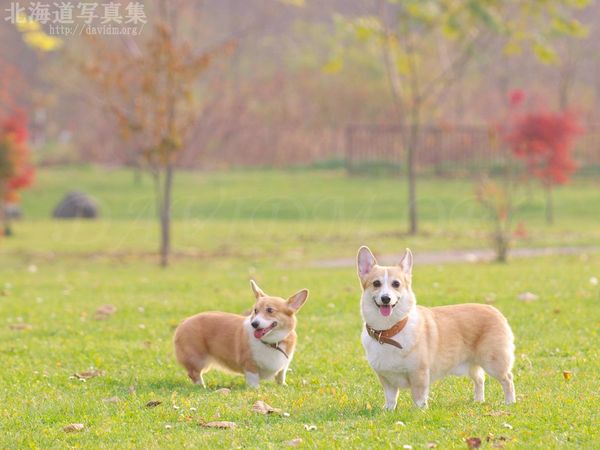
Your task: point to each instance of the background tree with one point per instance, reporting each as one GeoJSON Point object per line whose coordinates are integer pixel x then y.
{"type": "Point", "coordinates": [16, 170]}
{"type": "Point", "coordinates": [425, 46]}
{"type": "Point", "coordinates": [544, 140]}
{"type": "Point", "coordinates": [151, 90]}
{"type": "Point", "coordinates": [496, 197]}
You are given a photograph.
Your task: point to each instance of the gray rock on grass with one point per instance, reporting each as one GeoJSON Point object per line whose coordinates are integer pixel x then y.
{"type": "Point", "coordinates": [76, 204]}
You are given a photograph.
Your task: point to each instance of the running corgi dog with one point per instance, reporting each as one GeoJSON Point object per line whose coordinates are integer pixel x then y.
{"type": "Point", "coordinates": [260, 346]}
{"type": "Point", "coordinates": [410, 346]}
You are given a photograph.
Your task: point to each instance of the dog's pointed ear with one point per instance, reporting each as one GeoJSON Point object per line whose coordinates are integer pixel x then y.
{"type": "Point", "coordinates": [258, 292]}
{"type": "Point", "coordinates": [296, 301]}
{"type": "Point", "coordinates": [365, 261]}
{"type": "Point", "coordinates": [406, 263]}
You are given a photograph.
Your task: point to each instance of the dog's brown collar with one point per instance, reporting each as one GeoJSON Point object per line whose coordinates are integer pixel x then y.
{"type": "Point", "coordinates": [276, 347]}
{"type": "Point", "coordinates": [385, 336]}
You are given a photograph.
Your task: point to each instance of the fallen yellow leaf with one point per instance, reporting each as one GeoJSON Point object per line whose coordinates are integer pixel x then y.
{"type": "Point", "coordinates": [218, 424]}
{"type": "Point", "coordinates": [73, 427]}
{"type": "Point", "coordinates": [261, 407]}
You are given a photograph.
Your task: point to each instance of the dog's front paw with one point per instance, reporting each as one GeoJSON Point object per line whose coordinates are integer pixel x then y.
{"type": "Point", "coordinates": [389, 406]}
{"type": "Point", "coordinates": [252, 380]}
{"type": "Point", "coordinates": [421, 404]}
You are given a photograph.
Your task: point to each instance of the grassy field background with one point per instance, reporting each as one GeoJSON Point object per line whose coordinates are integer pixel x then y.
{"type": "Point", "coordinates": [272, 226]}
{"type": "Point", "coordinates": [285, 216]}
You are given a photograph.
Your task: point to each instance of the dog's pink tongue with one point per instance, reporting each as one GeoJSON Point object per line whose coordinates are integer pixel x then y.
{"type": "Point", "coordinates": [260, 333]}
{"type": "Point", "coordinates": [385, 310]}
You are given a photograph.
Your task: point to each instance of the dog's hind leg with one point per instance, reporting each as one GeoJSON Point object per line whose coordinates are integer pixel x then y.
{"type": "Point", "coordinates": [196, 377]}
{"type": "Point", "coordinates": [509, 388]}
{"type": "Point", "coordinates": [478, 376]}
{"type": "Point", "coordinates": [195, 367]}
{"type": "Point", "coordinates": [502, 372]}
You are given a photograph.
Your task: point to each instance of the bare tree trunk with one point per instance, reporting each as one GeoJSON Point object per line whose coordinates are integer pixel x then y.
{"type": "Point", "coordinates": [412, 176]}
{"type": "Point", "coordinates": [412, 144]}
{"type": "Point", "coordinates": [165, 217]}
{"type": "Point", "coordinates": [502, 245]}
{"type": "Point", "coordinates": [549, 206]}
{"type": "Point", "coordinates": [5, 220]}
{"type": "Point", "coordinates": [566, 75]}
{"type": "Point", "coordinates": [4, 216]}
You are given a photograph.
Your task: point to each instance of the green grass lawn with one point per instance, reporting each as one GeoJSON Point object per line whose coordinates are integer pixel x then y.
{"type": "Point", "coordinates": [271, 226]}
{"type": "Point", "coordinates": [288, 216]}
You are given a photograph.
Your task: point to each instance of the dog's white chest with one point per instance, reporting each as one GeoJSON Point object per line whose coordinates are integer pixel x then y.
{"type": "Point", "coordinates": [389, 361]}
{"type": "Point", "coordinates": [268, 360]}
{"type": "Point", "coordinates": [386, 359]}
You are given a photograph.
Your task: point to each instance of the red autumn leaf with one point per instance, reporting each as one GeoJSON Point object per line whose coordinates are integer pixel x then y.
{"type": "Point", "coordinates": [473, 442]}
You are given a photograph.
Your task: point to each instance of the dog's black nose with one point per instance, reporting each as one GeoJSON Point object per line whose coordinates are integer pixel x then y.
{"type": "Point", "coordinates": [255, 324]}
{"type": "Point", "coordinates": [385, 299]}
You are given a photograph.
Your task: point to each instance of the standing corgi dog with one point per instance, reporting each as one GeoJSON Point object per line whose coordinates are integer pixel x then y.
{"type": "Point", "coordinates": [260, 346]}
{"type": "Point", "coordinates": [409, 346]}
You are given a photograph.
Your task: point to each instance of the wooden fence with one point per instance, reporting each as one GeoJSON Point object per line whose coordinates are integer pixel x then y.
{"type": "Point", "coordinates": [362, 148]}
{"type": "Point", "coordinates": [443, 150]}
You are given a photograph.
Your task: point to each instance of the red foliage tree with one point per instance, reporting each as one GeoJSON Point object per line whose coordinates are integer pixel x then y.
{"type": "Point", "coordinates": [544, 140]}
{"type": "Point", "coordinates": [16, 170]}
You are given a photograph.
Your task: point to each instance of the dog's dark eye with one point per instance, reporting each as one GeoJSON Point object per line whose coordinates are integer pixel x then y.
{"type": "Point", "coordinates": [269, 310]}
{"type": "Point", "coordinates": [395, 284]}
{"type": "Point", "coordinates": [376, 283]}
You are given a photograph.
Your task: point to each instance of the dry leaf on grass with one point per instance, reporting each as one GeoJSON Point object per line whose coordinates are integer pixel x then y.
{"type": "Point", "coordinates": [86, 375]}
{"type": "Point", "coordinates": [105, 311]}
{"type": "Point", "coordinates": [310, 427]}
{"type": "Point", "coordinates": [218, 424]}
{"type": "Point", "coordinates": [567, 374]}
{"type": "Point", "coordinates": [497, 413]}
{"type": "Point", "coordinates": [507, 425]}
{"type": "Point", "coordinates": [261, 407]}
{"type": "Point", "coordinates": [497, 441]}
{"type": "Point", "coordinates": [490, 298]}
{"type": "Point", "coordinates": [73, 427]}
{"type": "Point", "coordinates": [527, 297]}
{"type": "Point", "coordinates": [153, 403]}
{"type": "Point", "coordinates": [20, 326]}
{"type": "Point", "coordinates": [431, 444]}
{"type": "Point", "coordinates": [114, 399]}
{"type": "Point", "coordinates": [223, 391]}
{"type": "Point", "coordinates": [473, 442]}
{"type": "Point", "coordinates": [294, 442]}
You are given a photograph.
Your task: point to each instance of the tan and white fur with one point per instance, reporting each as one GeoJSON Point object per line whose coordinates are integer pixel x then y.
{"type": "Point", "coordinates": [465, 339]}
{"type": "Point", "coordinates": [242, 344]}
